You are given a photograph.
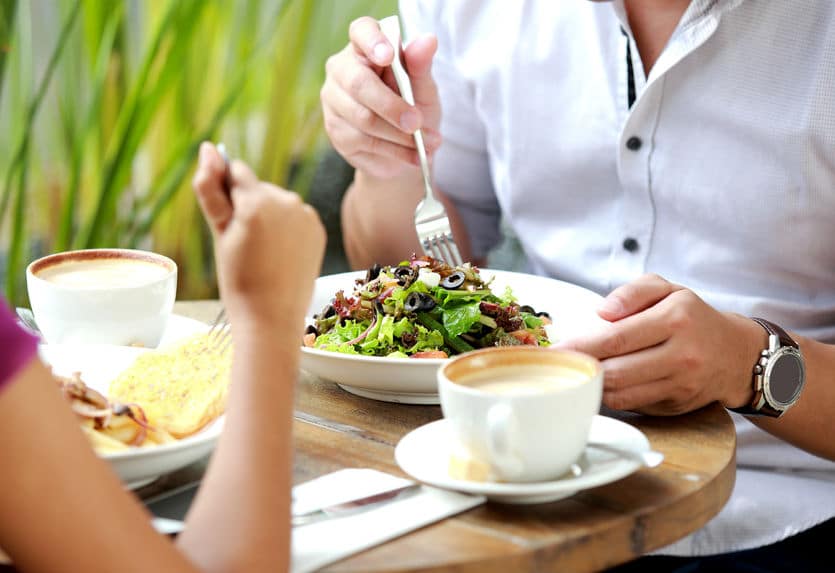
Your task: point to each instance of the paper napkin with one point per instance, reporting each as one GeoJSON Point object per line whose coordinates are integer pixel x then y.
{"type": "Point", "coordinates": [341, 486]}
{"type": "Point", "coordinates": [324, 542]}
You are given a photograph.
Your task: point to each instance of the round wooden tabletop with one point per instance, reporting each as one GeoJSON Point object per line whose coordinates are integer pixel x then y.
{"type": "Point", "coordinates": [590, 531]}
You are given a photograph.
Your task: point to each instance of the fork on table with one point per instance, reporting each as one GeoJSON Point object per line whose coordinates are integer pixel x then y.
{"type": "Point", "coordinates": [431, 220]}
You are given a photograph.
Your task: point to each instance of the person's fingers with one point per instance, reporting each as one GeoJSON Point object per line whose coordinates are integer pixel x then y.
{"type": "Point", "coordinates": [628, 335]}
{"type": "Point", "coordinates": [389, 142]}
{"type": "Point", "coordinates": [359, 142]}
{"type": "Point", "coordinates": [365, 119]}
{"type": "Point", "coordinates": [418, 56]}
{"type": "Point", "coordinates": [208, 186]}
{"type": "Point", "coordinates": [662, 397]}
{"type": "Point", "coordinates": [637, 396]}
{"type": "Point", "coordinates": [369, 41]}
{"type": "Point", "coordinates": [240, 175]}
{"type": "Point", "coordinates": [635, 296]}
{"type": "Point", "coordinates": [376, 99]}
{"type": "Point", "coordinates": [621, 372]}
{"type": "Point", "coordinates": [378, 167]}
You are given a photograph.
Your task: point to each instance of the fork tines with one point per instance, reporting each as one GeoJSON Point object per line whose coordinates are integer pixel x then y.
{"type": "Point", "coordinates": [219, 336]}
{"type": "Point", "coordinates": [443, 247]}
{"type": "Point", "coordinates": [434, 232]}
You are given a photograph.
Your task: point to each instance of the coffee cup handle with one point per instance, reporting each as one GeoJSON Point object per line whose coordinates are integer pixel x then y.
{"type": "Point", "coordinates": [502, 432]}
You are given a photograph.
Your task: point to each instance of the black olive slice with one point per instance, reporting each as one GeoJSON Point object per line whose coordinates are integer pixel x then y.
{"type": "Point", "coordinates": [404, 275]}
{"type": "Point", "coordinates": [527, 308]}
{"type": "Point", "coordinates": [373, 273]}
{"type": "Point", "coordinates": [418, 301]}
{"type": "Point", "coordinates": [412, 302]}
{"type": "Point", "coordinates": [427, 302]}
{"type": "Point", "coordinates": [453, 280]}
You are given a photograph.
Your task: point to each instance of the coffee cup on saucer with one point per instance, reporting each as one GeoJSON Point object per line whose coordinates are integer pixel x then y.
{"type": "Point", "coordinates": [102, 296]}
{"type": "Point", "coordinates": [519, 413]}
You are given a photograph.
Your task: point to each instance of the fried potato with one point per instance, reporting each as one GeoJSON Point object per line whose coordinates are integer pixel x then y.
{"type": "Point", "coordinates": [102, 443]}
{"type": "Point", "coordinates": [181, 389]}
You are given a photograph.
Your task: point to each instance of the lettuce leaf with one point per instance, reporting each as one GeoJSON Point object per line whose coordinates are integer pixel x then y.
{"type": "Point", "coordinates": [458, 318]}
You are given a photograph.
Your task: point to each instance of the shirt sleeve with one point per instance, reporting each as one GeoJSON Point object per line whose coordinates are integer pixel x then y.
{"type": "Point", "coordinates": [17, 347]}
{"type": "Point", "coordinates": [461, 165]}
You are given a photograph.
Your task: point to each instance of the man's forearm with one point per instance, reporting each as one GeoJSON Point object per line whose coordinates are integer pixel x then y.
{"type": "Point", "coordinates": [378, 220]}
{"type": "Point", "coordinates": [810, 424]}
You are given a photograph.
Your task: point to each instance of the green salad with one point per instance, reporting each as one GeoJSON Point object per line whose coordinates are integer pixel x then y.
{"type": "Point", "coordinates": [423, 308]}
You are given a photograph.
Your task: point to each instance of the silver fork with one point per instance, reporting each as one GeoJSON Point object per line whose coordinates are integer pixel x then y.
{"type": "Point", "coordinates": [431, 220]}
{"type": "Point", "coordinates": [219, 337]}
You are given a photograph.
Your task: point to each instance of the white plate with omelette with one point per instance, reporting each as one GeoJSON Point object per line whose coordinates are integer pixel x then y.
{"type": "Point", "coordinates": [101, 364]}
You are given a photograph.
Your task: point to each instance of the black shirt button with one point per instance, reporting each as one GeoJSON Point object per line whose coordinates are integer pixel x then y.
{"type": "Point", "coordinates": [631, 244]}
{"type": "Point", "coordinates": [634, 143]}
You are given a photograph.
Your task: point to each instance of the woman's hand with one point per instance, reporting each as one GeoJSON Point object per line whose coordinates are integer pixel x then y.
{"type": "Point", "coordinates": [668, 352]}
{"type": "Point", "coordinates": [367, 120]}
{"type": "Point", "coordinates": [268, 243]}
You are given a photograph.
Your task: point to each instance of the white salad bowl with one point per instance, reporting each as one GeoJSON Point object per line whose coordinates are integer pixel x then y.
{"type": "Point", "coordinates": [573, 310]}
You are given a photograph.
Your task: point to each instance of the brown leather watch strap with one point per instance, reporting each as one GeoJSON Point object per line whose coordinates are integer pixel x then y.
{"type": "Point", "coordinates": [771, 328]}
{"type": "Point", "coordinates": [760, 405]}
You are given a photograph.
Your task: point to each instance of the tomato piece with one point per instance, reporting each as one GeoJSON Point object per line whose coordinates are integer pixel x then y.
{"type": "Point", "coordinates": [430, 354]}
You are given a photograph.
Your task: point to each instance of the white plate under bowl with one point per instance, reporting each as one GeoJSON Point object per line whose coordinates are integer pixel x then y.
{"type": "Point", "coordinates": [424, 454]}
{"type": "Point", "coordinates": [412, 380]}
{"type": "Point", "coordinates": [98, 365]}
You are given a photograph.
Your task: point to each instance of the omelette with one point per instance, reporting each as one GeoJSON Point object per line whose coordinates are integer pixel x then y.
{"type": "Point", "coordinates": [181, 388]}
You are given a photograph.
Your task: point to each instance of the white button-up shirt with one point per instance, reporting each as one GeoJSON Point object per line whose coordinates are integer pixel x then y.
{"type": "Point", "coordinates": [720, 177]}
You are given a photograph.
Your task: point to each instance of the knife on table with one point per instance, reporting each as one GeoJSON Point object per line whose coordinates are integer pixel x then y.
{"type": "Point", "coordinates": [172, 527]}
{"type": "Point", "coordinates": [354, 506]}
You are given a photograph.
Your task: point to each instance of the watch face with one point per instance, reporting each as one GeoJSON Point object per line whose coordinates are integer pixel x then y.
{"type": "Point", "coordinates": [786, 377]}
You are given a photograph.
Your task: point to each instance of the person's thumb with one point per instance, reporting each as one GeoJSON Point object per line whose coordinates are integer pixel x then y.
{"type": "Point", "coordinates": [418, 56]}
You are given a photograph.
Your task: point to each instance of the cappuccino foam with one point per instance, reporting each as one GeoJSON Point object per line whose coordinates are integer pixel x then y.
{"type": "Point", "coordinates": [103, 273]}
{"type": "Point", "coordinates": [524, 380]}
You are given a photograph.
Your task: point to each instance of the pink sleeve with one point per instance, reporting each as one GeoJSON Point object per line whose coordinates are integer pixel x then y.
{"type": "Point", "coordinates": [17, 347]}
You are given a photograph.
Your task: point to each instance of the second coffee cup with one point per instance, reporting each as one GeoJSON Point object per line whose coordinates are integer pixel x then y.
{"type": "Point", "coordinates": [521, 413]}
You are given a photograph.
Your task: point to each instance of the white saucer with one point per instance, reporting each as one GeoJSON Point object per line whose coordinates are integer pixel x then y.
{"type": "Point", "coordinates": [424, 454]}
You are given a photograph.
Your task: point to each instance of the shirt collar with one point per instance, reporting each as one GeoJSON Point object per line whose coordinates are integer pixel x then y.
{"type": "Point", "coordinates": [696, 12]}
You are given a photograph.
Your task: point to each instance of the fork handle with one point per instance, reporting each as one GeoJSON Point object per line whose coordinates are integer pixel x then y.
{"type": "Point", "coordinates": [424, 163]}
{"type": "Point", "coordinates": [390, 27]}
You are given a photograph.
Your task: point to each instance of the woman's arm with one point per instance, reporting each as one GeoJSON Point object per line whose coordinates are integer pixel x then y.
{"type": "Point", "coordinates": [269, 248]}
{"type": "Point", "coordinates": [61, 507]}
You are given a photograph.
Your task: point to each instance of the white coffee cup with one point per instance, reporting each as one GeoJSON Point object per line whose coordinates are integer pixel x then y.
{"type": "Point", "coordinates": [522, 413]}
{"type": "Point", "coordinates": [102, 296]}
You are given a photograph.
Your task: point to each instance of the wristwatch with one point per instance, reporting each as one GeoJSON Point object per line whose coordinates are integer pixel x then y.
{"type": "Point", "coordinates": [779, 374]}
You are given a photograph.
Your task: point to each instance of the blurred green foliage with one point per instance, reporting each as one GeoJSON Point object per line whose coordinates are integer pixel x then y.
{"type": "Point", "coordinates": [103, 104]}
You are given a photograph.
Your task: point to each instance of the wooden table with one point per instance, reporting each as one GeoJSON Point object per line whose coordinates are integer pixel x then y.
{"type": "Point", "coordinates": [590, 531]}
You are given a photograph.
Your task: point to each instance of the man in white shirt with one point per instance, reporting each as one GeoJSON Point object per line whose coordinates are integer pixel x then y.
{"type": "Point", "coordinates": [694, 140]}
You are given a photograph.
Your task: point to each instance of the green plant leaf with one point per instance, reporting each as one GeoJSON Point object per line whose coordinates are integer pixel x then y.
{"type": "Point", "coordinates": [8, 10]}
{"type": "Point", "coordinates": [176, 25]}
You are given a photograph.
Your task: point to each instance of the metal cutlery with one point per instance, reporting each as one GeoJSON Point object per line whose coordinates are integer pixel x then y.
{"type": "Point", "coordinates": [647, 458]}
{"type": "Point", "coordinates": [172, 527]}
{"type": "Point", "coordinates": [431, 221]}
{"type": "Point", "coordinates": [219, 337]}
{"type": "Point", "coordinates": [27, 318]}
{"type": "Point", "coordinates": [355, 506]}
